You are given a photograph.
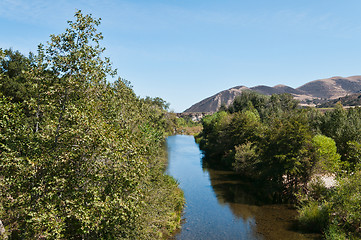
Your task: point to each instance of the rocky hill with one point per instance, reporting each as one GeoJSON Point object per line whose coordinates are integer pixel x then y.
{"type": "Point", "coordinates": [311, 93]}
{"type": "Point", "coordinates": [214, 102]}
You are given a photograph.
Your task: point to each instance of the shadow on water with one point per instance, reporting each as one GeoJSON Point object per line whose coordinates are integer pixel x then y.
{"type": "Point", "coordinates": [245, 200]}
{"type": "Point", "coordinates": [220, 205]}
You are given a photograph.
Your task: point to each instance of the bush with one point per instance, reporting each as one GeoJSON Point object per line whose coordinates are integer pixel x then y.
{"type": "Point", "coordinates": [328, 160]}
{"type": "Point", "coordinates": [334, 232]}
{"type": "Point", "coordinates": [314, 216]}
{"type": "Point", "coordinates": [317, 190]}
{"type": "Point", "coordinates": [346, 206]}
{"type": "Point", "coordinates": [245, 159]}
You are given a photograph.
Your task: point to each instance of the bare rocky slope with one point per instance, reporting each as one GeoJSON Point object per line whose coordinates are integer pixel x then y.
{"type": "Point", "coordinates": [311, 93]}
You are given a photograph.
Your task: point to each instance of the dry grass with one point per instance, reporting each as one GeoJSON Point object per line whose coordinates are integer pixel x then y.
{"type": "Point", "coordinates": [190, 130]}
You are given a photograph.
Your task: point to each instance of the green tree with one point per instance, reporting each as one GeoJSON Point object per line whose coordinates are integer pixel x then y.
{"type": "Point", "coordinates": [157, 101]}
{"type": "Point", "coordinates": [346, 208]}
{"type": "Point", "coordinates": [343, 126]}
{"type": "Point", "coordinates": [354, 154]}
{"type": "Point", "coordinates": [327, 158]}
{"type": "Point", "coordinates": [14, 82]}
{"type": "Point", "coordinates": [81, 158]}
{"type": "Point", "coordinates": [214, 137]}
{"type": "Point", "coordinates": [248, 99]}
{"type": "Point", "coordinates": [286, 154]}
{"type": "Point", "coordinates": [246, 159]}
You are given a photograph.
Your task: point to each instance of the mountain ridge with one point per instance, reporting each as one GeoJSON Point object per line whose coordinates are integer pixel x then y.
{"type": "Point", "coordinates": [310, 93]}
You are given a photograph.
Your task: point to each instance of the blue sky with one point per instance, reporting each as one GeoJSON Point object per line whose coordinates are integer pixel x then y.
{"type": "Point", "coordinates": [186, 50]}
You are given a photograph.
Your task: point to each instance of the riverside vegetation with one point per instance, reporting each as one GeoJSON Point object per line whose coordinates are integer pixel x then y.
{"type": "Point", "coordinates": [81, 158]}
{"type": "Point", "coordinates": [270, 140]}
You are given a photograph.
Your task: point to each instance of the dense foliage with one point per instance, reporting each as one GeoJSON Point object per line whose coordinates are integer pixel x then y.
{"type": "Point", "coordinates": [263, 138]}
{"type": "Point", "coordinates": [269, 139]}
{"type": "Point", "coordinates": [81, 158]}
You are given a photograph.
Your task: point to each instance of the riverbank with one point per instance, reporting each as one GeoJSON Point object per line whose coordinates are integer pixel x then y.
{"type": "Point", "coordinates": [219, 205]}
{"type": "Point", "coordinates": [272, 141]}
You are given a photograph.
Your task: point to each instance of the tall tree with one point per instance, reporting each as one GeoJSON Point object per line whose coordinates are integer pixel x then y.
{"type": "Point", "coordinates": [80, 158]}
{"type": "Point", "coordinates": [14, 82]}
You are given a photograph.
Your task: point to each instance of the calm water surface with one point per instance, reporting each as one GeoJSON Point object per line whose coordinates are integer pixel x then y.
{"type": "Point", "coordinates": [218, 205]}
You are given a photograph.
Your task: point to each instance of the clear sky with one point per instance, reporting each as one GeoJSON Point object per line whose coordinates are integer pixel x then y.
{"type": "Point", "coordinates": [186, 50]}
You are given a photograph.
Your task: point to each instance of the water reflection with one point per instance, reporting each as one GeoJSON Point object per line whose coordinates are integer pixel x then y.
{"type": "Point", "coordinates": [273, 221]}
{"type": "Point", "coordinates": [221, 206]}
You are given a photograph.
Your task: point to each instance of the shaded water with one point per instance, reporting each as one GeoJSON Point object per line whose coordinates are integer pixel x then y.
{"type": "Point", "coordinates": [218, 205]}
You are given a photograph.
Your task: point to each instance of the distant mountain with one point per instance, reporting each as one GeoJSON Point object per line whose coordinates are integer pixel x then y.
{"type": "Point", "coordinates": [332, 88]}
{"type": "Point", "coordinates": [311, 93]}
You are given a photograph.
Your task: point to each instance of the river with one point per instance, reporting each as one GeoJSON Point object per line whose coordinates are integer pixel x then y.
{"type": "Point", "coordinates": [219, 205]}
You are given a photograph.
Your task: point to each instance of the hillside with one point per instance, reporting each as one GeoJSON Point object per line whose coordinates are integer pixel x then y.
{"type": "Point", "coordinates": [349, 100]}
{"type": "Point", "coordinates": [311, 93]}
{"type": "Point", "coordinates": [332, 88]}
{"type": "Point", "coordinates": [214, 102]}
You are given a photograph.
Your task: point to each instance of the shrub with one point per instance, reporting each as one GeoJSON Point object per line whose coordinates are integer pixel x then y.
{"type": "Point", "coordinates": [334, 232]}
{"type": "Point", "coordinates": [326, 154]}
{"type": "Point", "coordinates": [346, 206]}
{"type": "Point", "coordinates": [245, 159]}
{"type": "Point", "coordinates": [317, 190]}
{"type": "Point", "coordinates": [314, 216]}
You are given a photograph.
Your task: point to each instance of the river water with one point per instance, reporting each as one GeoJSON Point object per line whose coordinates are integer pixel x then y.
{"type": "Point", "coordinates": [219, 205]}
